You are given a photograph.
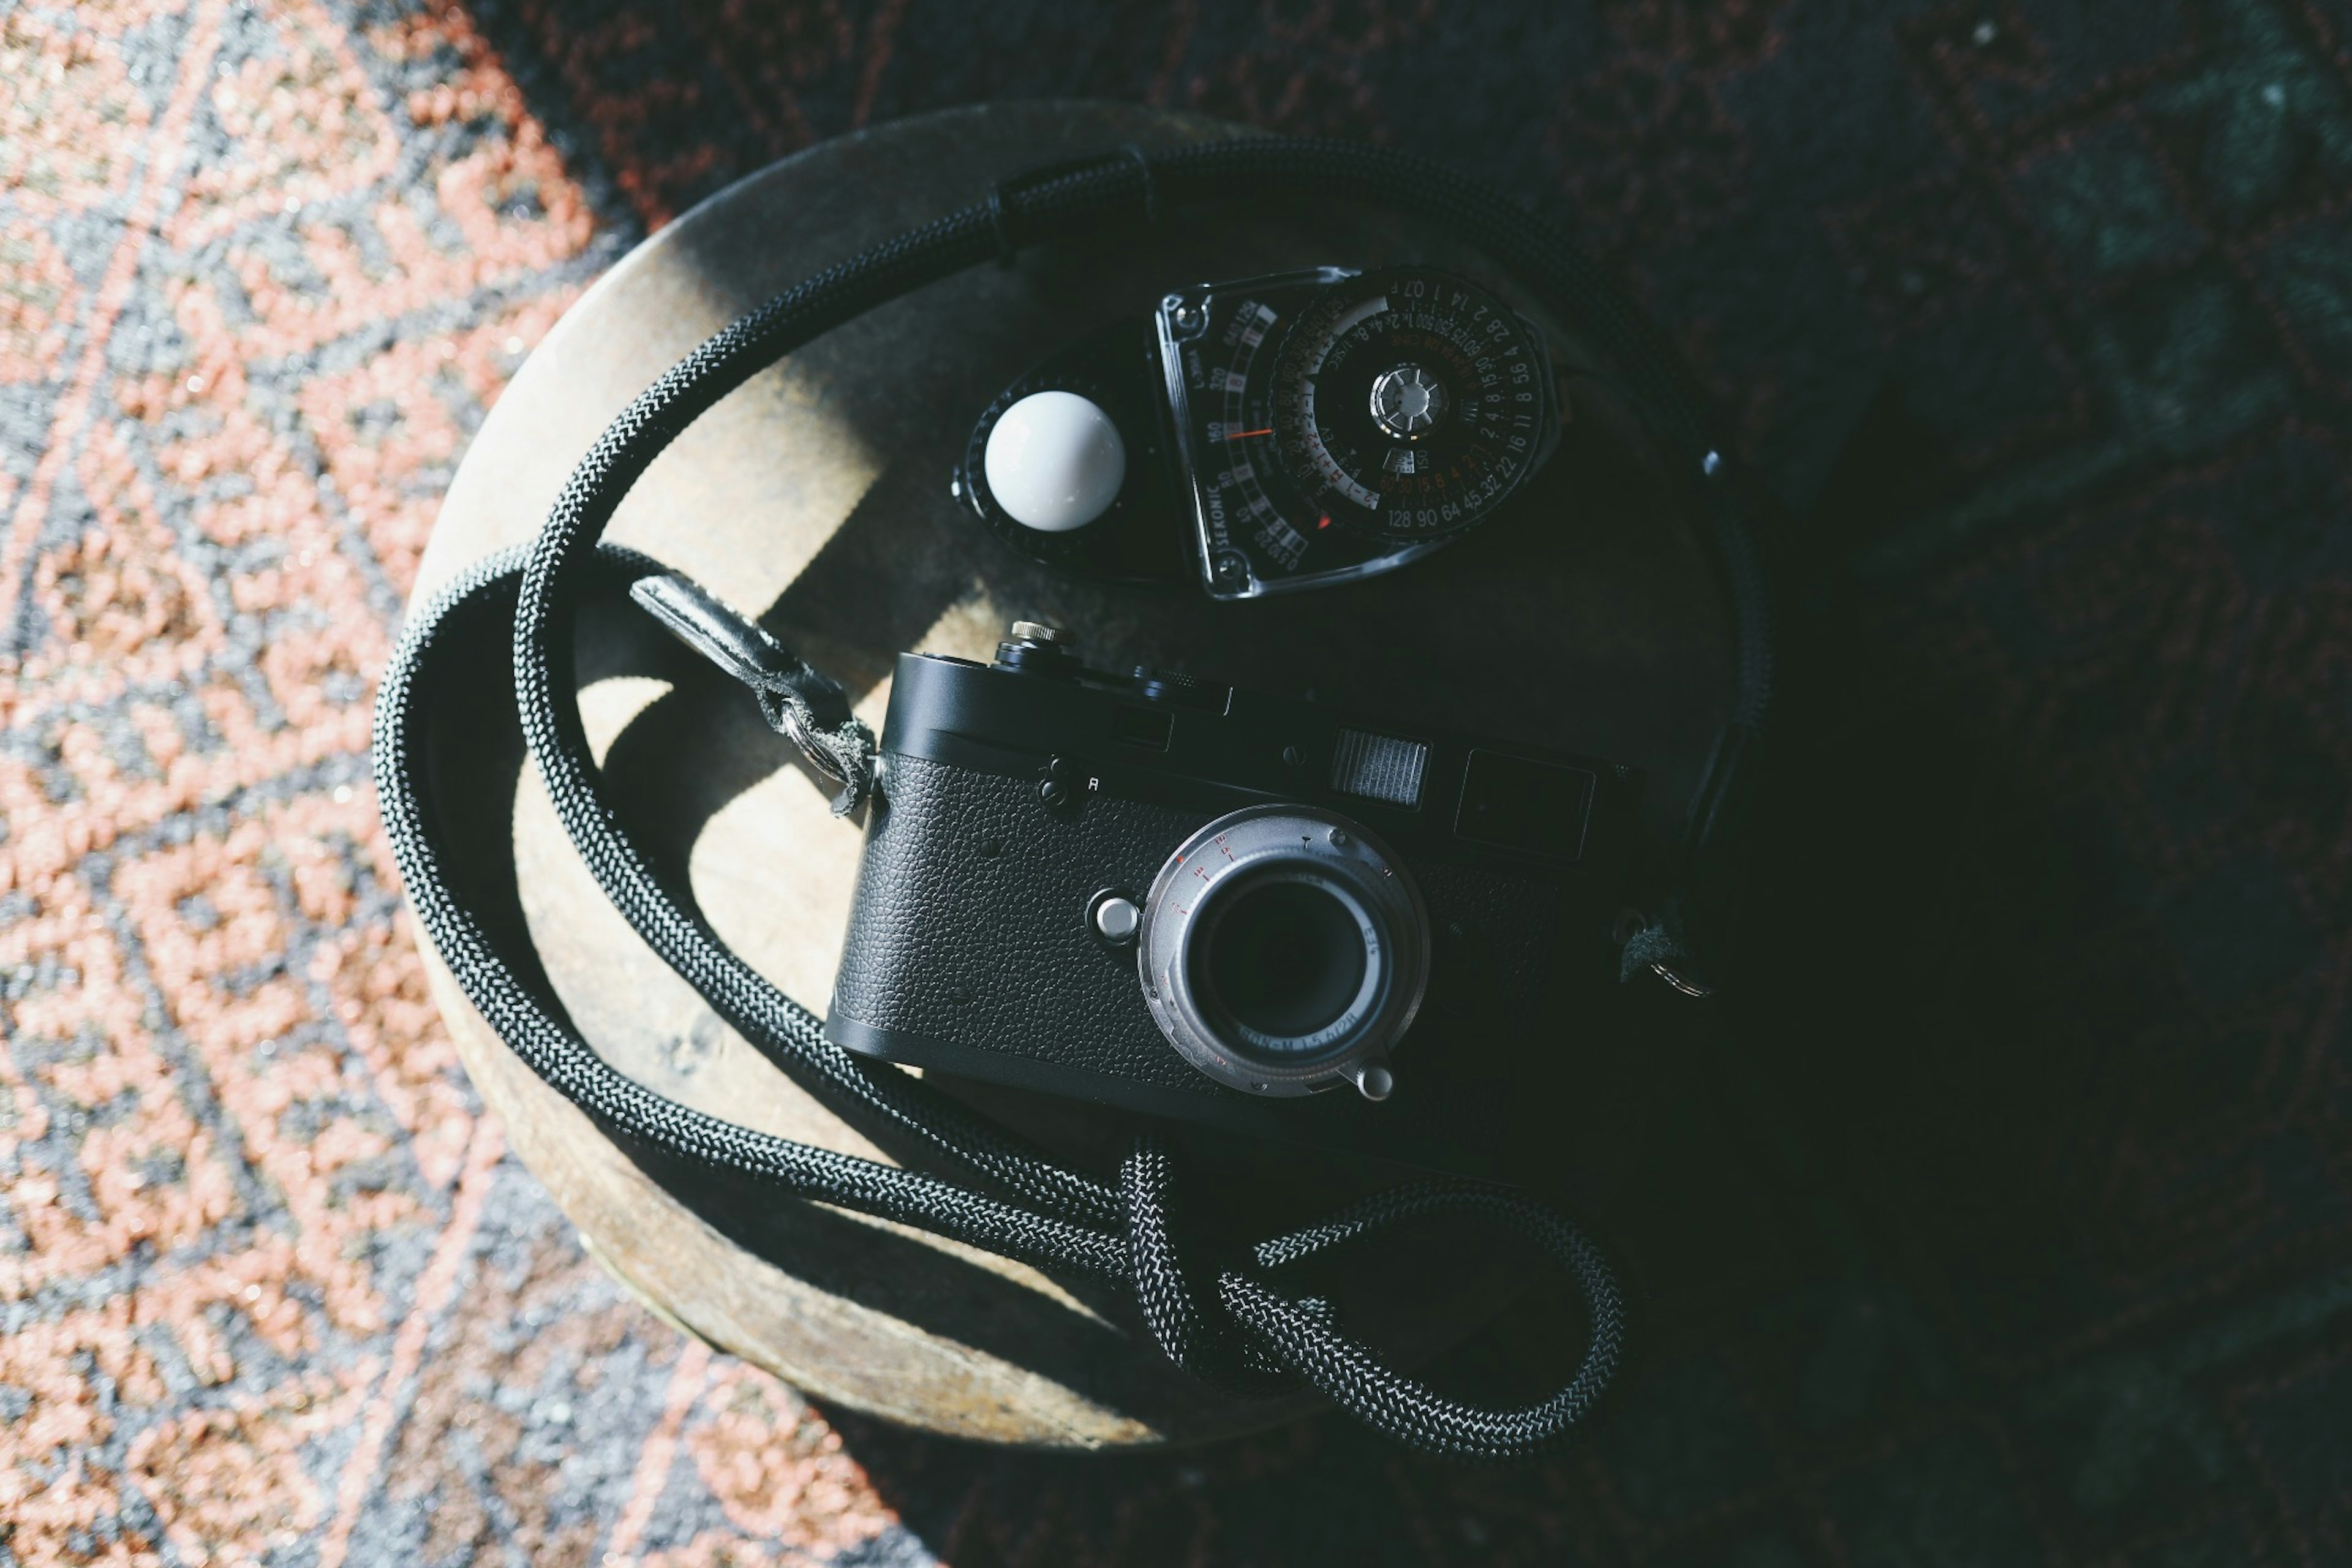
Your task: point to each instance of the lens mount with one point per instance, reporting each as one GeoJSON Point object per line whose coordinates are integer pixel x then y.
{"type": "Point", "coordinates": [1284, 949]}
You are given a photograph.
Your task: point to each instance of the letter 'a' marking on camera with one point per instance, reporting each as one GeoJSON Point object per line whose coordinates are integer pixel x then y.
{"type": "Point", "coordinates": [1379, 767]}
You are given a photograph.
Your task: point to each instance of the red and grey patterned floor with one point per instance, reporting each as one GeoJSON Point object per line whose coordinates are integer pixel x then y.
{"type": "Point", "coordinates": [2041, 315]}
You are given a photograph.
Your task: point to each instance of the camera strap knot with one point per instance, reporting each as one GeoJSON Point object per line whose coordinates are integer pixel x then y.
{"type": "Point", "coordinates": [1350, 1375]}
{"type": "Point", "coordinates": [1253, 1340]}
{"type": "Point", "coordinates": [799, 701]}
{"type": "Point", "coordinates": [1193, 1330]}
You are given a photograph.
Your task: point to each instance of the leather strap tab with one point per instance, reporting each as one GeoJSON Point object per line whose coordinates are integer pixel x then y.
{"type": "Point", "coordinates": [799, 701]}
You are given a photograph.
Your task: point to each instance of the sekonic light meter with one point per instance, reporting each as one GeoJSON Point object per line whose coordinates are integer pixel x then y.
{"type": "Point", "coordinates": [1277, 433]}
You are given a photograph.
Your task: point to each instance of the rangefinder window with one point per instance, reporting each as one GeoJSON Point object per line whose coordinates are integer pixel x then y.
{"type": "Point", "coordinates": [1516, 803]}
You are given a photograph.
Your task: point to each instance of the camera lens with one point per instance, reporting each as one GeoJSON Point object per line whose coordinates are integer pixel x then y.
{"type": "Point", "coordinates": [1283, 949]}
{"type": "Point", "coordinates": [1284, 962]}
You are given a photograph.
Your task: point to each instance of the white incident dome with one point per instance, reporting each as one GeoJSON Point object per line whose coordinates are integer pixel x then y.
{"type": "Point", "coordinates": [1055, 461]}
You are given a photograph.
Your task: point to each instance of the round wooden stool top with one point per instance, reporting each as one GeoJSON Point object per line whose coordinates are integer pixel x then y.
{"type": "Point", "coordinates": [817, 497]}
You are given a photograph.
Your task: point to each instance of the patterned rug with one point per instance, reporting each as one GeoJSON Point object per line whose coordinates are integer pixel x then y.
{"type": "Point", "coordinates": [2026, 1195]}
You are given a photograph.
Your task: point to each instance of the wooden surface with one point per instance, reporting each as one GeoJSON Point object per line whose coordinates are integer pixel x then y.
{"type": "Point", "coordinates": [817, 496]}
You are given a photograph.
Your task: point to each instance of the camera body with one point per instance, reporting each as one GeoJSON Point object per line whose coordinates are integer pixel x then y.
{"type": "Point", "coordinates": [1219, 905]}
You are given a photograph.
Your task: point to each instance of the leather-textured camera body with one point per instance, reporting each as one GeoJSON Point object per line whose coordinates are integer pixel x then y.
{"type": "Point", "coordinates": [1031, 825]}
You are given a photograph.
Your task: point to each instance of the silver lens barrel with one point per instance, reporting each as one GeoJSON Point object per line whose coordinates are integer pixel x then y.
{"type": "Point", "coordinates": [1284, 949]}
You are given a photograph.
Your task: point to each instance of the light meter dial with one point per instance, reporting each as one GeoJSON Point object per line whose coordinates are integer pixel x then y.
{"type": "Point", "coordinates": [1409, 404]}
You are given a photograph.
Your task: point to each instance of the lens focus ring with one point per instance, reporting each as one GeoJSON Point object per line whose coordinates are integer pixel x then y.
{"type": "Point", "coordinates": [1284, 949]}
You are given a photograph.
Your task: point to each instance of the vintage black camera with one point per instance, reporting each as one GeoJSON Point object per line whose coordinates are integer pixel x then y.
{"type": "Point", "coordinates": [1180, 897]}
